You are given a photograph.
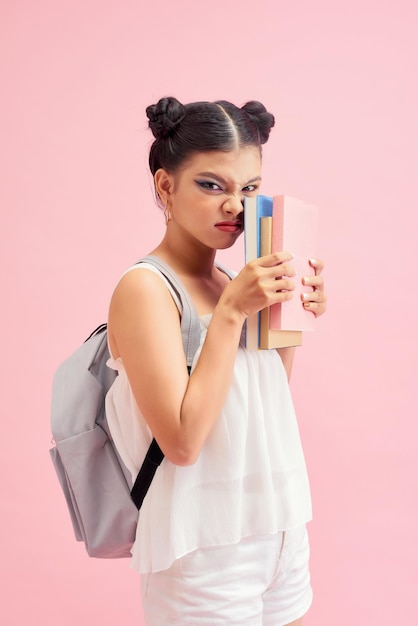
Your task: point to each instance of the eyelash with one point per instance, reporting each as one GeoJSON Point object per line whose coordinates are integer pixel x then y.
{"type": "Point", "coordinates": [253, 188]}
{"type": "Point", "coordinates": [208, 185]}
{"type": "Point", "coordinates": [205, 184]}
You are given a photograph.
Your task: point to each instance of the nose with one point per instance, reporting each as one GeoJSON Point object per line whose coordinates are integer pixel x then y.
{"type": "Point", "coordinates": [234, 204]}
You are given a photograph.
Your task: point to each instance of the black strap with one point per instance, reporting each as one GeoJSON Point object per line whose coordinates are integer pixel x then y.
{"type": "Point", "coordinates": [152, 460]}
{"type": "Point", "coordinates": [143, 481]}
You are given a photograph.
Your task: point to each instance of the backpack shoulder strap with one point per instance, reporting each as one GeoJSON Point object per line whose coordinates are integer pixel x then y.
{"type": "Point", "coordinates": [190, 324]}
{"type": "Point", "coordinates": [230, 273]}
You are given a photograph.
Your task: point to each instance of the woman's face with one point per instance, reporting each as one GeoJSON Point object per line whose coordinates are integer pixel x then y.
{"type": "Point", "coordinates": [206, 196]}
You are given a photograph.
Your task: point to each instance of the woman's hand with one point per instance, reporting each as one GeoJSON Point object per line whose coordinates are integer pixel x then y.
{"type": "Point", "coordinates": [262, 282]}
{"type": "Point", "coordinates": [315, 300]}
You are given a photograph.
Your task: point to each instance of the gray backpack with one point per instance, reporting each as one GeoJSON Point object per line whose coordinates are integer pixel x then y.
{"type": "Point", "coordinates": [96, 484]}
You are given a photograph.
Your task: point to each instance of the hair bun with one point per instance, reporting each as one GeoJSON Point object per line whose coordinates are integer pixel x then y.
{"type": "Point", "coordinates": [165, 116]}
{"type": "Point", "coordinates": [260, 117]}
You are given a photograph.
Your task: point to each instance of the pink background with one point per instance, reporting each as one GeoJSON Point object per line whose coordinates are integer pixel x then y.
{"type": "Point", "coordinates": [77, 208]}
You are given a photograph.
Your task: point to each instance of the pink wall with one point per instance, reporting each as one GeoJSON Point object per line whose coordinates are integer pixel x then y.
{"type": "Point", "coordinates": [75, 195]}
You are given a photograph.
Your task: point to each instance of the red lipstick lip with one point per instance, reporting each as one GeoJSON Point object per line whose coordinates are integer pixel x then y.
{"type": "Point", "coordinates": [228, 227]}
{"type": "Point", "coordinates": [232, 226]}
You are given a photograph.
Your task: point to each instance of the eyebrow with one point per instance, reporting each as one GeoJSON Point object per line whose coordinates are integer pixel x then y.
{"type": "Point", "coordinates": [223, 180]}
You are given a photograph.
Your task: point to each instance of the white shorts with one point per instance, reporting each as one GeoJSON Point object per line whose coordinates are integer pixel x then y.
{"type": "Point", "coordinates": [260, 581]}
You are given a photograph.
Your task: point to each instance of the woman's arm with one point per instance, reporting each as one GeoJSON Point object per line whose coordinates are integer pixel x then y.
{"type": "Point", "coordinates": [144, 330]}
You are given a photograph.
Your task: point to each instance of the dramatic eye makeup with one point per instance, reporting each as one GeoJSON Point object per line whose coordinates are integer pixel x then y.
{"type": "Point", "coordinates": [203, 181]}
{"type": "Point", "coordinates": [250, 188]}
{"type": "Point", "coordinates": [209, 185]}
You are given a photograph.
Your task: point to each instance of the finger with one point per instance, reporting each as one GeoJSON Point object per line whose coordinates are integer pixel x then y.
{"type": "Point", "coordinates": [282, 284]}
{"type": "Point", "coordinates": [284, 269]}
{"type": "Point", "coordinates": [312, 296]}
{"type": "Point", "coordinates": [317, 282]}
{"type": "Point", "coordinates": [317, 308]}
{"type": "Point", "coordinates": [281, 296]}
{"type": "Point", "coordinates": [276, 258]}
{"type": "Point", "coordinates": [317, 265]}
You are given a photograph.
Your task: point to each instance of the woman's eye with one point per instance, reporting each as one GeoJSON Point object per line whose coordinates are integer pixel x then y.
{"type": "Point", "coordinates": [250, 188]}
{"type": "Point", "coordinates": [206, 184]}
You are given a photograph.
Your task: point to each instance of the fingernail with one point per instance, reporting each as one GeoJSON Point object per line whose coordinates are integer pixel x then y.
{"type": "Point", "coordinates": [305, 296]}
{"type": "Point", "coordinates": [313, 261]}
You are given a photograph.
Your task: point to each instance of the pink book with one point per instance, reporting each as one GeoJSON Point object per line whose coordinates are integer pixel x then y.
{"type": "Point", "coordinates": [295, 229]}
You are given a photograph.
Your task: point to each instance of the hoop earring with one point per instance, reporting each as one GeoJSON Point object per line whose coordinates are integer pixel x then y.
{"type": "Point", "coordinates": [167, 214]}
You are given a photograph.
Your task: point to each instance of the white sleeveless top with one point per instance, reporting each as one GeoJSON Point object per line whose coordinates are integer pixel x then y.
{"type": "Point", "coordinates": [249, 479]}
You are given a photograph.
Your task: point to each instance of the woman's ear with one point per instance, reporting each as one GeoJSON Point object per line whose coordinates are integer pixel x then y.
{"type": "Point", "coordinates": [163, 185]}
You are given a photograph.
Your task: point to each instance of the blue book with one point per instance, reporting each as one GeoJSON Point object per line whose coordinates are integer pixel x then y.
{"type": "Point", "coordinates": [255, 208]}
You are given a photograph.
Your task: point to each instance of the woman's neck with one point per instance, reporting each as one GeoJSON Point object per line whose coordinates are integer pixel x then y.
{"type": "Point", "coordinates": [187, 260]}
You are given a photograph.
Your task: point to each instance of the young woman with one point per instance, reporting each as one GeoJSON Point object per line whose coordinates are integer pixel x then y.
{"type": "Point", "coordinates": [221, 536]}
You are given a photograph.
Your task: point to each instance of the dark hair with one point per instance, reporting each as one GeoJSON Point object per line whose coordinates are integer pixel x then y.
{"type": "Point", "coordinates": [181, 130]}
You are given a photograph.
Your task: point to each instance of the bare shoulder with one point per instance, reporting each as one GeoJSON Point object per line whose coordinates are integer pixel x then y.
{"type": "Point", "coordinates": [139, 282]}
{"type": "Point", "coordinates": [140, 304]}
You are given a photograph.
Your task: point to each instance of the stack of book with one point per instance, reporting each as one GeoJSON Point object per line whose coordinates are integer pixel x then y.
{"type": "Point", "coordinates": [273, 224]}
